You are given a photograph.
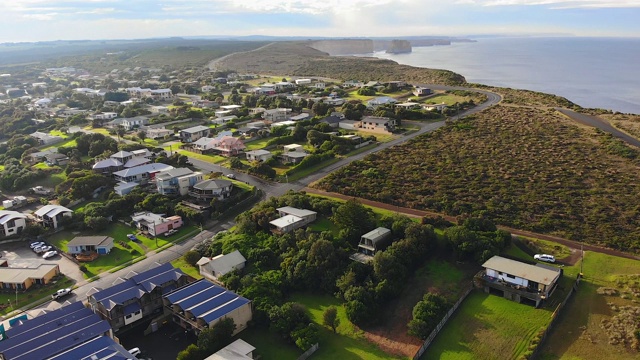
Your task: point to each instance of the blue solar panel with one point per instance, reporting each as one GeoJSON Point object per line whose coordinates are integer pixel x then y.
{"type": "Point", "coordinates": [211, 303]}
{"type": "Point", "coordinates": [197, 298]}
{"type": "Point", "coordinates": [121, 297]}
{"type": "Point", "coordinates": [131, 308]}
{"type": "Point", "coordinates": [160, 279]}
{"type": "Point", "coordinates": [45, 318]}
{"type": "Point", "coordinates": [224, 310]}
{"type": "Point", "coordinates": [108, 292]}
{"type": "Point", "coordinates": [102, 347]}
{"type": "Point", "coordinates": [188, 290]}
{"type": "Point", "coordinates": [146, 275]}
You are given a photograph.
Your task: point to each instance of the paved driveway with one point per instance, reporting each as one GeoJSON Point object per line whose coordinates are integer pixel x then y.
{"type": "Point", "coordinates": [20, 255]}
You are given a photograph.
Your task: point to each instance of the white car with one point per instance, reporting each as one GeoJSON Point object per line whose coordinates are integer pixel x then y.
{"type": "Point", "coordinates": [135, 351]}
{"type": "Point", "coordinates": [170, 232]}
{"type": "Point", "coordinates": [61, 293]}
{"type": "Point", "coordinates": [545, 258]}
{"type": "Point", "coordinates": [49, 254]}
{"type": "Point", "coordinates": [231, 176]}
{"type": "Point", "coordinates": [36, 244]}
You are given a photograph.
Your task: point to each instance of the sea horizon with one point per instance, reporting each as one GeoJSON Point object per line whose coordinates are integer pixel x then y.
{"type": "Point", "coordinates": [593, 72]}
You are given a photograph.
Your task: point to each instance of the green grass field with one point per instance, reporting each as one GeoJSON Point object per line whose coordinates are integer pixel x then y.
{"type": "Point", "coordinates": [353, 95]}
{"type": "Point", "coordinates": [323, 224]}
{"type": "Point", "coordinates": [66, 143]}
{"type": "Point", "coordinates": [488, 327]}
{"type": "Point", "coordinates": [379, 137]}
{"type": "Point", "coordinates": [269, 345]}
{"type": "Point", "coordinates": [294, 175]}
{"type": "Point", "coordinates": [257, 144]}
{"type": "Point", "coordinates": [578, 334]}
{"type": "Point", "coordinates": [348, 343]}
{"type": "Point", "coordinates": [186, 268]}
{"type": "Point", "coordinates": [214, 159]}
{"type": "Point", "coordinates": [58, 133]}
{"type": "Point", "coordinates": [449, 99]}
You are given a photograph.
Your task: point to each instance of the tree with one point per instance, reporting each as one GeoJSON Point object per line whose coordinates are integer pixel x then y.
{"type": "Point", "coordinates": [330, 318]}
{"type": "Point", "coordinates": [142, 135]}
{"type": "Point", "coordinates": [215, 338]}
{"type": "Point", "coordinates": [353, 219]}
{"type": "Point", "coordinates": [288, 317]}
{"type": "Point", "coordinates": [192, 352]}
{"type": "Point", "coordinates": [427, 314]}
{"type": "Point", "coordinates": [191, 257]}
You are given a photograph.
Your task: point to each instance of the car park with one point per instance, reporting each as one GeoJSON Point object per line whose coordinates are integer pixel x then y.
{"type": "Point", "coordinates": [43, 249]}
{"type": "Point", "coordinates": [49, 254]}
{"type": "Point", "coordinates": [170, 232]}
{"type": "Point", "coordinates": [545, 258]}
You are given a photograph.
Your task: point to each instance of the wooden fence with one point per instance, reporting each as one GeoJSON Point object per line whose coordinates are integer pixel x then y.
{"type": "Point", "coordinates": [309, 352]}
{"type": "Point", "coordinates": [441, 324]}
{"type": "Point", "coordinates": [554, 319]}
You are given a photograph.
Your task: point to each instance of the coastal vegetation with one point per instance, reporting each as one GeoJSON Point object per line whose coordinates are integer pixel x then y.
{"type": "Point", "coordinates": [526, 168]}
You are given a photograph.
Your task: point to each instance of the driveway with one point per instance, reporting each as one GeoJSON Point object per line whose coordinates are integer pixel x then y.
{"type": "Point", "coordinates": [20, 255]}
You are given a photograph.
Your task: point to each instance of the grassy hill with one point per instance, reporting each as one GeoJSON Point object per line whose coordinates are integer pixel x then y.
{"type": "Point", "coordinates": [527, 168]}
{"type": "Point", "coordinates": [298, 59]}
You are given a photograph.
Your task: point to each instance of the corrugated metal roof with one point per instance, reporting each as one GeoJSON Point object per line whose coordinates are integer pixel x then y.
{"type": "Point", "coordinates": [522, 270]}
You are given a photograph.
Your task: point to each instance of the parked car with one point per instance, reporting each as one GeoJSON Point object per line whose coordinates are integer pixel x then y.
{"type": "Point", "coordinates": [132, 237]}
{"type": "Point", "coordinates": [49, 254]}
{"type": "Point", "coordinates": [170, 232]}
{"type": "Point", "coordinates": [231, 176]}
{"type": "Point", "coordinates": [61, 293]}
{"type": "Point", "coordinates": [40, 190]}
{"type": "Point", "coordinates": [36, 244]}
{"type": "Point", "coordinates": [43, 249]}
{"type": "Point", "coordinates": [545, 258]}
{"type": "Point", "coordinates": [135, 351]}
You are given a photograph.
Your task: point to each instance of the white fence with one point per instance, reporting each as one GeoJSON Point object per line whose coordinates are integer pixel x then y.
{"type": "Point", "coordinates": [308, 353]}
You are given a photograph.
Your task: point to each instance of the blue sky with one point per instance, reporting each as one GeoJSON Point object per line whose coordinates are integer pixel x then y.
{"type": "Point", "coordinates": [35, 20]}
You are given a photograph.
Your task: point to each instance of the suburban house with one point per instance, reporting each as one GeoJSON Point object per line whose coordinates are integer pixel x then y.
{"type": "Point", "coordinates": [12, 222]}
{"type": "Point", "coordinates": [300, 117]}
{"type": "Point", "coordinates": [216, 267]}
{"type": "Point", "coordinates": [409, 105]}
{"type": "Point", "coordinates": [136, 297]}
{"type": "Point", "coordinates": [237, 350]}
{"type": "Point", "coordinates": [101, 245]}
{"type": "Point", "coordinates": [292, 218]}
{"type": "Point", "coordinates": [293, 147]}
{"type": "Point", "coordinates": [259, 155]}
{"type": "Point", "coordinates": [134, 122]}
{"type": "Point", "coordinates": [303, 81]}
{"type": "Point", "coordinates": [422, 91]}
{"type": "Point", "coordinates": [378, 124]}
{"type": "Point", "coordinates": [276, 115]}
{"type": "Point", "coordinates": [436, 107]}
{"type": "Point", "coordinates": [45, 139]}
{"type": "Point", "coordinates": [177, 181]}
{"type": "Point", "coordinates": [201, 304]}
{"type": "Point", "coordinates": [107, 166]}
{"type": "Point", "coordinates": [42, 103]}
{"type": "Point", "coordinates": [516, 280]}
{"type": "Point", "coordinates": [211, 189]}
{"type": "Point", "coordinates": [157, 133]}
{"type": "Point", "coordinates": [70, 332]}
{"type": "Point", "coordinates": [56, 159]}
{"type": "Point", "coordinates": [332, 120]}
{"type": "Point", "coordinates": [374, 241]}
{"type": "Point", "coordinates": [51, 215]}
{"type": "Point", "coordinates": [194, 133]}
{"type": "Point", "coordinates": [155, 224]}
{"type": "Point", "coordinates": [294, 157]}
{"type": "Point", "coordinates": [23, 278]}
{"type": "Point", "coordinates": [228, 145]}
{"type": "Point", "coordinates": [257, 110]}
{"type": "Point", "coordinates": [379, 101]}
{"type": "Point", "coordinates": [140, 174]}
{"type": "Point", "coordinates": [104, 116]}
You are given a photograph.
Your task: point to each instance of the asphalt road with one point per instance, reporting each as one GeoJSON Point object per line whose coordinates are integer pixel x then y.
{"type": "Point", "coordinates": [603, 125]}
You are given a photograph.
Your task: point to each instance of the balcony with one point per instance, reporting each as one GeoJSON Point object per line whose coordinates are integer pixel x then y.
{"type": "Point", "coordinates": [482, 280]}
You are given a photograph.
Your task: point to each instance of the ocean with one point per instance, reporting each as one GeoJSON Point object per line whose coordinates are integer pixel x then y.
{"type": "Point", "coordinates": [591, 72]}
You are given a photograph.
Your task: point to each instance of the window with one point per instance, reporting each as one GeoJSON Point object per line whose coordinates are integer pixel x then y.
{"type": "Point", "coordinates": [511, 276]}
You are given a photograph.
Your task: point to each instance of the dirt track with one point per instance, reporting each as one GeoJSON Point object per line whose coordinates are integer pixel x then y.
{"type": "Point", "coordinates": [575, 246]}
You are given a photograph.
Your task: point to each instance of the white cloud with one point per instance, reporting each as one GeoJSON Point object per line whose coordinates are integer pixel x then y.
{"type": "Point", "coordinates": [557, 4]}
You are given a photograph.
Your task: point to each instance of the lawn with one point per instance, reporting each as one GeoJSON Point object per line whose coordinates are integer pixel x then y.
{"type": "Point", "coordinates": [547, 247]}
{"type": "Point", "coordinates": [294, 174]}
{"type": "Point", "coordinates": [449, 99]}
{"type": "Point", "coordinates": [67, 143]}
{"type": "Point", "coordinates": [578, 334]}
{"type": "Point", "coordinates": [383, 138]}
{"type": "Point", "coordinates": [323, 224]}
{"type": "Point", "coordinates": [348, 343]}
{"type": "Point", "coordinates": [58, 133]}
{"type": "Point", "coordinates": [354, 95]}
{"type": "Point", "coordinates": [269, 345]}
{"type": "Point", "coordinates": [53, 180]}
{"type": "Point", "coordinates": [102, 131]}
{"type": "Point", "coordinates": [257, 144]}
{"type": "Point", "coordinates": [186, 268]}
{"type": "Point", "coordinates": [214, 159]}
{"type": "Point", "coordinates": [487, 325]}
{"type": "Point", "coordinates": [1, 167]}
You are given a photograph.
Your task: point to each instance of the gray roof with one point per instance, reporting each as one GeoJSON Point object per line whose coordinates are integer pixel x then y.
{"type": "Point", "coordinates": [378, 234]}
{"type": "Point", "coordinates": [173, 173]}
{"type": "Point", "coordinates": [195, 129]}
{"type": "Point", "coordinates": [223, 264]}
{"type": "Point", "coordinates": [213, 184]}
{"type": "Point", "coordinates": [289, 210]}
{"type": "Point", "coordinates": [153, 167]}
{"type": "Point", "coordinates": [89, 240]}
{"type": "Point", "coordinates": [522, 270]}
{"type": "Point", "coordinates": [51, 210]}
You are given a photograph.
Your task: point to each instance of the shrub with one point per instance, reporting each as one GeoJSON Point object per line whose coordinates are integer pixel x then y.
{"type": "Point", "coordinates": [191, 257]}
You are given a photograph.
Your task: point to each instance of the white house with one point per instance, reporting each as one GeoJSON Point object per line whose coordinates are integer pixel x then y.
{"type": "Point", "coordinates": [379, 101]}
{"type": "Point", "coordinates": [140, 174]}
{"type": "Point", "coordinates": [292, 218]}
{"type": "Point", "coordinates": [11, 222]}
{"type": "Point", "coordinates": [216, 267]}
{"type": "Point", "coordinates": [99, 244]}
{"type": "Point", "coordinates": [436, 107]}
{"type": "Point", "coordinates": [303, 81]}
{"type": "Point", "coordinates": [157, 133]}
{"type": "Point", "coordinates": [259, 155]}
{"type": "Point", "coordinates": [422, 91]}
{"type": "Point", "coordinates": [134, 122]}
{"type": "Point", "coordinates": [51, 215]}
{"type": "Point", "coordinates": [177, 181]}
{"type": "Point", "coordinates": [211, 189]}
{"type": "Point", "coordinates": [275, 115]}
{"type": "Point", "coordinates": [293, 147]}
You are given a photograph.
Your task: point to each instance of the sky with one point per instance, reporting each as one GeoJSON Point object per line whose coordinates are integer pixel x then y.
{"type": "Point", "coordinates": [44, 20]}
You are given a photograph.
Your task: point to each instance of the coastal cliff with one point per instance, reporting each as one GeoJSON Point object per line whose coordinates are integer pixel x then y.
{"type": "Point", "coordinates": [399, 47]}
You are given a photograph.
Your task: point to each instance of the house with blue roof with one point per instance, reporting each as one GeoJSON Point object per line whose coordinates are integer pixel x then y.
{"type": "Point", "coordinates": [201, 304]}
{"type": "Point", "coordinates": [71, 332]}
{"type": "Point", "coordinates": [137, 297]}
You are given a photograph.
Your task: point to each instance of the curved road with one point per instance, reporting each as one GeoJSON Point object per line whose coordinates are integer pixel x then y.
{"type": "Point", "coordinates": [598, 123]}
